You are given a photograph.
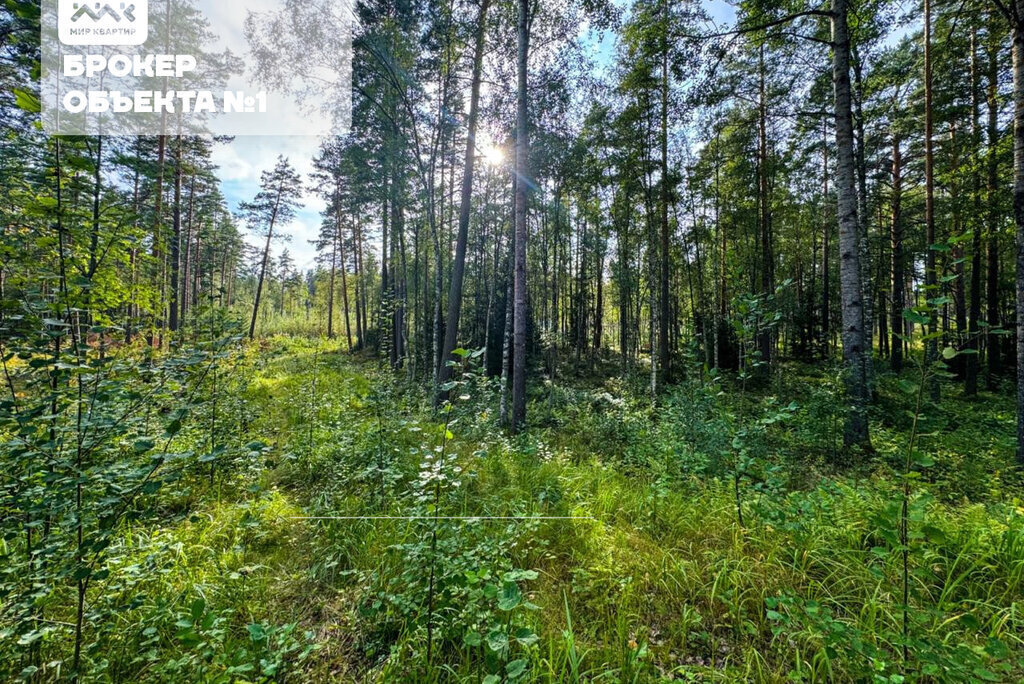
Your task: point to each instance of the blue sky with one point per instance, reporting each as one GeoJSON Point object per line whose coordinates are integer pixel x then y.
{"type": "Point", "coordinates": [241, 163]}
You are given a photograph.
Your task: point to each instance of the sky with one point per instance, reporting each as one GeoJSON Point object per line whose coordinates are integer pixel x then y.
{"type": "Point", "coordinates": [242, 161]}
{"type": "Point", "coordinates": [240, 164]}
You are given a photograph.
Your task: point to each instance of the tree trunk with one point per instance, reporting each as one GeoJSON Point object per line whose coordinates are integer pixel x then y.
{"type": "Point", "coordinates": [507, 330]}
{"type": "Point", "coordinates": [330, 283]}
{"type": "Point", "coordinates": [522, 164]}
{"type": "Point", "coordinates": [401, 336]}
{"type": "Point", "coordinates": [764, 207]}
{"type": "Point", "coordinates": [862, 216]}
{"type": "Point", "coordinates": [663, 322]}
{"type": "Point", "coordinates": [930, 274]}
{"type": "Point", "coordinates": [197, 272]}
{"type": "Point", "coordinates": [263, 270]}
{"type": "Point", "coordinates": [856, 429]}
{"type": "Point", "coordinates": [94, 234]}
{"type": "Point", "coordinates": [898, 282]}
{"type": "Point", "coordinates": [158, 223]}
{"type": "Point", "coordinates": [622, 257]}
{"type": "Point", "coordinates": [340, 237]}
{"type": "Point", "coordinates": [992, 341]}
{"type": "Point", "coordinates": [133, 256]}
{"type": "Point", "coordinates": [723, 288]}
{"type": "Point", "coordinates": [599, 306]}
{"type": "Point", "coordinates": [557, 222]}
{"type": "Point", "coordinates": [1018, 208]}
{"type": "Point", "coordinates": [176, 240]}
{"type": "Point", "coordinates": [395, 291]}
{"type": "Point", "coordinates": [187, 261]}
{"type": "Point", "coordinates": [957, 285]}
{"type": "Point", "coordinates": [974, 314]}
{"type": "Point", "coordinates": [492, 287]}
{"type": "Point", "coordinates": [357, 237]}
{"type": "Point", "coordinates": [826, 253]}
{"type": "Point", "coordinates": [451, 331]}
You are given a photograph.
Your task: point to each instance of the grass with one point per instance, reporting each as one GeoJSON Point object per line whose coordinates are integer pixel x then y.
{"type": "Point", "coordinates": [652, 579]}
{"type": "Point", "coordinates": [663, 583]}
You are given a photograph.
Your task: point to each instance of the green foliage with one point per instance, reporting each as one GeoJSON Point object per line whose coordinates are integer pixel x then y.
{"type": "Point", "coordinates": [602, 545]}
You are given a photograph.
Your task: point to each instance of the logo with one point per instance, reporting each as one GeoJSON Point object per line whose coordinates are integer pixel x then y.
{"type": "Point", "coordinates": [111, 22]}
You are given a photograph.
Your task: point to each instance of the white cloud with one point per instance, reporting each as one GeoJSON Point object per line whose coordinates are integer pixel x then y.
{"type": "Point", "coordinates": [240, 164]}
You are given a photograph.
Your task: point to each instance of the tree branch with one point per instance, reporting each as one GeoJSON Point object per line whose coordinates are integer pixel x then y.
{"type": "Point", "coordinates": [1010, 16]}
{"type": "Point", "coordinates": [741, 30]}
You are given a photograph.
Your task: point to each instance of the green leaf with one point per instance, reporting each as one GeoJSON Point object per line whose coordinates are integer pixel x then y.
{"type": "Point", "coordinates": [518, 575]}
{"type": "Point", "coordinates": [511, 597]}
{"type": "Point", "coordinates": [472, 639]}
{"type": "Point", "coordinates": [915, 317]}
{"type": "Point", "coordinates": [987, 675]}
{"type": "Point", "coordinates": [996, 648]}
{"type": "Point", "coordinates": [29, 638]}
{"type": "Point", "coordinates": [198, 608]}
{"type": "Point", "coordinates": [923, 460]}
{"type": "Point", "coordinates": [173, 428]}
{"type": "Point", "coordinates": [257, 632]}
{"type": "Point", "coordinates": [526, 637]}
{"type": "Point", "coordinates": [948, 352]}
{"type": "Point", "coordinates": [497, 640]}
{"type": "Point", "coordinates": [969, 621]}
{"type": "Point", "coordinates": [516, 668]}
{"type": "Point", "coordinates": [143, 445]}
{"type": "Point", "coordinates": [26, 101]}
{"type": "Point", "coordinates": [908, 387]}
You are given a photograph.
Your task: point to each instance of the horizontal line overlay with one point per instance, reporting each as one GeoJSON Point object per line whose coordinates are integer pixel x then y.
{"type": "Point", "coordinates": [439, 517]}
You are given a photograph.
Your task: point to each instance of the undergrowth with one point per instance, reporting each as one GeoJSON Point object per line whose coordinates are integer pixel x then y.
{"type": "Point", "coordinates": [356, 534]}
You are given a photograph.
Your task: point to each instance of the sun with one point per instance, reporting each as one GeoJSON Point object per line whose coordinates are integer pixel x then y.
{"type": "Point", "coordinates": [493, 155]}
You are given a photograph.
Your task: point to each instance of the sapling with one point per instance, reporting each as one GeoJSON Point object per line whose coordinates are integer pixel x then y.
{"type": "Point", "coordinates": [313, 399]}
{"type": "Point", "coordinates": [432, 476]}
{"type": "Point", "coordinates": [743, 461]}
{"type": "Point", "coordinates": [929, 371]}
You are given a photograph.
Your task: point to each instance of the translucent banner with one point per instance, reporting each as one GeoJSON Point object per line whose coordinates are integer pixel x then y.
{"type": "Point", "coordinates": [196, 67]}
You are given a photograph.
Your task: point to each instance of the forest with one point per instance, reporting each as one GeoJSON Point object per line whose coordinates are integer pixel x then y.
{"type": "Point", "coordinates": [617, 341]}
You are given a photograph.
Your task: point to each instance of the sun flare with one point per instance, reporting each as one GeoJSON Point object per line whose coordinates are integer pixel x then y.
{"type": "Point", "coordinates": [493, 155]}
